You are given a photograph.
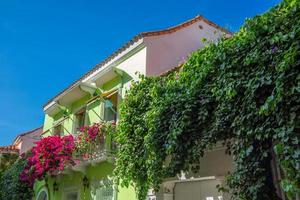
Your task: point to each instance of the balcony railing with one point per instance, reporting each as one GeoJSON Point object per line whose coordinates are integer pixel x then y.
{"type": "Point", "coordinates": [105, 150]}
{"type": "Point", "coordinates": [93, 144]}
{"type": "Point", "coordinates": [98, 152]}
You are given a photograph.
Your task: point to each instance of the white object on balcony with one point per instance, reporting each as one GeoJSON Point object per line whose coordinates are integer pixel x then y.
{"type": "Point", "coordinates": [88, 87]}
{"type": "Point", "coordinates": [182, 175]}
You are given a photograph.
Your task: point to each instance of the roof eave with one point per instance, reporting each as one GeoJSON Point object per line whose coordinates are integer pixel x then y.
{"type": "Point", "coordinates": [100, 71]}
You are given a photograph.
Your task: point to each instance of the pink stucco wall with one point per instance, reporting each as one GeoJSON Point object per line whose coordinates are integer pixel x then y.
{"type": "Point", "coordinates": [27, 140]}
{"type": "Point", "coordinates": [167, 51]}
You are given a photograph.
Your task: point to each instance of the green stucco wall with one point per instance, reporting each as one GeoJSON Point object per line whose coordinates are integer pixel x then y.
{"type": "Point", "coordinates": [72, 180]}
{"type": "Point", "coordinates": [126, 193]}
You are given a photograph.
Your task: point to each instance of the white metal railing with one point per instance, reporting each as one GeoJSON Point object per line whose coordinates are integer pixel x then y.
{"type": "Point", "coordinates": [97, 152]}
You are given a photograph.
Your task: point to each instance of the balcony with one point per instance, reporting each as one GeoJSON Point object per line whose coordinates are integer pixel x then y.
{"type": "Point", "coordinates": [93, 145]}
{"type": "Point", "coordinates": [97, 152]}
{"type": "Point", "coordinates": [105, 150]}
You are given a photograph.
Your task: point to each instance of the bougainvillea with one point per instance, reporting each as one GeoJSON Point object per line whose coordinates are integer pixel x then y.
{"type": "Point", "coordinates": [244, 91]}
{"type": "Point", "coordinates": [90, 133]}
{"type": "Point", "coordinates": [54, 153]}
{"type": "Point", "coordinates": [50, 155]}
{"type": "Point", "coordinates": [92, 137]}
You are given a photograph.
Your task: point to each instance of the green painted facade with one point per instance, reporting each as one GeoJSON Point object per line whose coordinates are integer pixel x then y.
{"type": "Point", "coordinates": [70, 183]}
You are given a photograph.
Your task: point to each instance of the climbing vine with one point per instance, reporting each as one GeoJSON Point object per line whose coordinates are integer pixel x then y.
{"type": "Point", "coordinates": [243, 91]}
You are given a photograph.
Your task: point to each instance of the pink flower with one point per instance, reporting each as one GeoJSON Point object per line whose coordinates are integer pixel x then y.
{"type": "Point", "coordinates": [50, 155]}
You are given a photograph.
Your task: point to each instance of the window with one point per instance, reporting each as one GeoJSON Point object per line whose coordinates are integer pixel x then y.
{"type": "Point", "coordinates": [104, 191]}
{"type": "Point", "coordinates": [58, 130]}
{"type": "Point", "coordinates": [198, 189]}
{"type": "Point", "coordinates": [110, 108]}
{"type": "Point", "coordinates": [79, 120]}
{"type": "Point", "coordinates": [42, 195]}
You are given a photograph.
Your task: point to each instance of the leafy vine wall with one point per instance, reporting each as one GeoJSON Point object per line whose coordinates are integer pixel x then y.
{"type": "Point", "coordinates": [243, 91]}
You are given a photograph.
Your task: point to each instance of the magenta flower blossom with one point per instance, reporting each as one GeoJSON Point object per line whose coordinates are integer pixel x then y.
{"type": "Point", "coordinates": [50, 155]}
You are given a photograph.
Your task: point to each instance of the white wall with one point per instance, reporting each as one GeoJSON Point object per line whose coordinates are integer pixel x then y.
{"type": "Point", "coordinates": [215, 163]}
{"type": "Point", "coordinates": [135, 63]}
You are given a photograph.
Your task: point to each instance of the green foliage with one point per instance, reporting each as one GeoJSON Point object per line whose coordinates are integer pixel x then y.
{"type": "Point", "coordinates": [11, 188]}
{"type": "Point", "coordinates": [6, 160]}
{"type": "Point", "coordinates": [243, 91]}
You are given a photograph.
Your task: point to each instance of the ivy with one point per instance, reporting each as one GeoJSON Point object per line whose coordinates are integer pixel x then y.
{"type": "Point", "coordinates": [244, 91]}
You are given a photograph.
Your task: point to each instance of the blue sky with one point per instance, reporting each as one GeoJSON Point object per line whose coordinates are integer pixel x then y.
{"type": "Point", "coordinates": [46, 45]}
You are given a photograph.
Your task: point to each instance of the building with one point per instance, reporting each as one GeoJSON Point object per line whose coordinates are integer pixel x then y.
{"type": "Point", "coordinates": [9, 149]}
{"type": "Point", "coordinates": [96, 96]}
{"type": "Point", "coordinates": [23, 142]}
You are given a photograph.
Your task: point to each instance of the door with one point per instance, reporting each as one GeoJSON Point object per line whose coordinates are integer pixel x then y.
{"type": "Point", "coordinates": [198, 190]}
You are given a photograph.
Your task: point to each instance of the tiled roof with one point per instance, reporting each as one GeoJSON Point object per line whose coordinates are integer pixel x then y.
{"type": "Point", "coordinates": [183, 25]}
{"type": "Point", "coordinates": [135, 39]}
{"type": "Point", "coordinates": [28, 132]}
{"type": "Point", "coordinates": [9, 148]}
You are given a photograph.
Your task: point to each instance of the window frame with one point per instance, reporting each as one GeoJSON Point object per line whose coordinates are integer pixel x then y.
{"type": "Point", "coordinates": [61, 132]}
{"type": "Point", "coordinates": [76, 127]}
{"type": "Point", "coordinates": [115, 106]}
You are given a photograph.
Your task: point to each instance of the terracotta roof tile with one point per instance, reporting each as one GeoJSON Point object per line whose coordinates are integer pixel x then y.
{"type": "Point", "coordinates": [9, 148]}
